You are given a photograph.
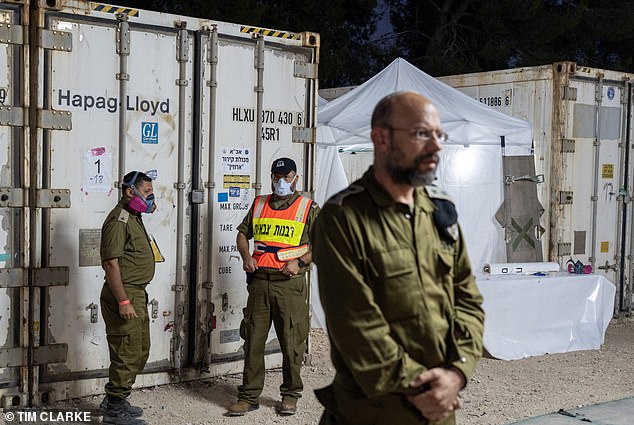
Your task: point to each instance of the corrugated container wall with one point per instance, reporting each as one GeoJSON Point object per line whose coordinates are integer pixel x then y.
{"type": "Point", "coordinates": [91, 91]}
{"type": "Point", "coordinates": [582, 127]}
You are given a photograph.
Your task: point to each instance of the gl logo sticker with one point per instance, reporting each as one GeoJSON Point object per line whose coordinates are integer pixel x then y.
{"type": "Point", "coordinates": [149, 132]}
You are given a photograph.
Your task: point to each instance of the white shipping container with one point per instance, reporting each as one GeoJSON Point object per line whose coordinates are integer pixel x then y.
{"type": "Point", "coordinates": [91, 91]}
{"type": "Point", "coordinates": [582, 130]}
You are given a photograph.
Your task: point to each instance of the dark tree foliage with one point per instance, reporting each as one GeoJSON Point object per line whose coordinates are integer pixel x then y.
{"type": "Point", "coordinates": [441, 37]}
{"type": "Point", "coordinates": [457, 36]}
{"type": "Point", "coordinates": [346, 55]}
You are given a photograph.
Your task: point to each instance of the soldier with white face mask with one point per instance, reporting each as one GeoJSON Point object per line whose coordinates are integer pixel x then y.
{"type": "Point", "coordinates": [279, 224]}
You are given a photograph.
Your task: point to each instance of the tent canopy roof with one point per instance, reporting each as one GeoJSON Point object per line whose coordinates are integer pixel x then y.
{"type": "Point", "coordinates": [345, 121]}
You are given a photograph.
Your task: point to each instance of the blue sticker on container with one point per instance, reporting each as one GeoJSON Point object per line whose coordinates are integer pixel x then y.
{"type": "Point", "coordinates": [149, 132]}
{"type": "Point", "coordinates": [152, 174]}
{"type": "Point", "coordinates": [610, 93]}
{"type": "Point", "coordinates": [234, 192]}
{"type": "Point", "coordinates": [223, 197]}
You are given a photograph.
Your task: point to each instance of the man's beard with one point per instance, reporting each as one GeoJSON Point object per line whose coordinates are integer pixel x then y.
{"type": "Point", "coordinates": [410, 175]}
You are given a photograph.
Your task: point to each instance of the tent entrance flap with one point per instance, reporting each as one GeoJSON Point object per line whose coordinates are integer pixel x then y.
{"type": "Point", "coordinates": [520, 211]}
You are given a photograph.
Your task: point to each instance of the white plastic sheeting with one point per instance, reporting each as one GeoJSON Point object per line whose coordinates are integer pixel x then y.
{"type": "Point", "coordinates": [530, 316]}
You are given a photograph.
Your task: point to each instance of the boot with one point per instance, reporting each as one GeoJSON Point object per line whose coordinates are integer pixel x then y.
{"type": "Point", "coordinates": [134, 411]}
{"type": "Point", "coordinates": [288, 406]}
{"type": "Point", "coordinates": [116, 413]}
{"type": "Point", "coordinates": [241, 408]}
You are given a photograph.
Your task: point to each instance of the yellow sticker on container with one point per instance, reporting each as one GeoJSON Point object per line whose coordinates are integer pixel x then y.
{"type": "Point", "coordinates": [607, 171]}
{"type": "Point", "coordinates": [230, 180]}
{"type": "Point", "coordinates": [605, 246]}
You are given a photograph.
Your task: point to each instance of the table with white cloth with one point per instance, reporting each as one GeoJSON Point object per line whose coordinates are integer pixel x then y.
{"type": "Point", "coordinates": [534, 315]}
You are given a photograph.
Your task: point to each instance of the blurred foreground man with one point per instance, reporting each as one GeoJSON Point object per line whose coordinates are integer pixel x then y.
{"type": "Point", "coordinates": [403, 311]}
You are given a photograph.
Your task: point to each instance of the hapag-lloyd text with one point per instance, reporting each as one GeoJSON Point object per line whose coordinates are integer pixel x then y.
{"type": "Point", "coordinates": [65, 98]}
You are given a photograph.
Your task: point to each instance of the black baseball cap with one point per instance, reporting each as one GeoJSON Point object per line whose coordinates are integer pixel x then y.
{"type": "Point", "coordinates": [283, 166]}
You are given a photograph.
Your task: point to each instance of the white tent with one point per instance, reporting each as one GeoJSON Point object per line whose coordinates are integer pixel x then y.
{"type": "Point", "coordinates": [471, 161]}
{"type": "Point", "coordinates": [467, 121]}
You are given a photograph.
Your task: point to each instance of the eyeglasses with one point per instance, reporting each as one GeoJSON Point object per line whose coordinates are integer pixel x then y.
{"type": "Point", "coordinates": [424, 135]}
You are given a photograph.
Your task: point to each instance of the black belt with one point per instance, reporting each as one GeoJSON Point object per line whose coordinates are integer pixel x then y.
{"type": "Point", "coordinates": [270, 276]}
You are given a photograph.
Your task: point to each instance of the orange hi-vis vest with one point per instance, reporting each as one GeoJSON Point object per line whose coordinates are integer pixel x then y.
{"type": "Point", "coordinates": [278, 233]}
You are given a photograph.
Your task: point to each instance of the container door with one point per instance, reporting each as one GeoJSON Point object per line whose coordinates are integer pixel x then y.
{"type": "Point", "coordinates": [593, 175]}
{"type": "Point", "coordinates": [128, 87]}
{"type": "Point", "coordinates": [241, 158]}
{"type": "Point", "coordinates": [13, 246]}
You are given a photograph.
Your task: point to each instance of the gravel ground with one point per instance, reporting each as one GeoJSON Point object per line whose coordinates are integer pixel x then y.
{"type": "Point", "coordinates": [501, 392]}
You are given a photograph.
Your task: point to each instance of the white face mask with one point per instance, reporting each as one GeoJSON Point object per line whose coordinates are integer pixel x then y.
{"type": "Point", "coordinates": [282, 188]}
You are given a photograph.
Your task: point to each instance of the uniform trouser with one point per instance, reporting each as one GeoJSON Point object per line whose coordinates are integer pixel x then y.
{"type": "Point", "coordinates": [285, 304]}
{"type": "Point", "coordinates": [128, 340]}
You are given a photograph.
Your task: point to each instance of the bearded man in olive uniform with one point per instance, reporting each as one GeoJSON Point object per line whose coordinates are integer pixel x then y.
{"type": "Point", "coordinates": [128, 261]}
{"type": "Point", "coordinates": [280, 224]}
{"type": "Point", "coordinates": [402, 308]}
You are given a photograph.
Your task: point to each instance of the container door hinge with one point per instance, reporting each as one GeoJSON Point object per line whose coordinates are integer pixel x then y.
{"type": "Point", "coordinates": [53, 198]}
{"type": "Point", "coordinates": [568, 145]}
{"type": "Point", "coordinates": [565, 197]}
{"type": "Point", "coordinates": [11, 278]}
{"type": "Point", "coordinates": [303, 135]}
{"type": "Point", "coordinates": [11, 34]}
{"type": "Point", "coordinates": [42, 277]}
{"type": "Point", "coordinates": [305, 70]}
{"type": "Point", "coordinates": [51, 276]}
{"type": "Point", "coordinates": [44, 354]}
{"type": "Point", "coordinates": [11, 115]}
{"type": "Point", "coordinates": [12, 197]}
{"type": "Point", "coordinates": [569, 93]}
{"type": "Point", "coordinates": [563, 249]}
{"type": "Point", "coordinates": [56, 40]}
{"type": "Point", "coordinates": [54, 120]}
{"type": "Point", "coordinates": [197, 196]}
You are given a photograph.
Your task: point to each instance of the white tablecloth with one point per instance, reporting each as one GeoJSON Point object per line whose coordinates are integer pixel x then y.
{"type": "Point", "coordinates": [530, 315]}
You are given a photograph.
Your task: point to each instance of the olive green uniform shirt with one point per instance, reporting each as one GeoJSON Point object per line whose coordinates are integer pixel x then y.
{"type": "Point", "coordinates": [123, 236]}
{"type": "Point", "coordinates": [246, 226]}
{"type": "Point", "coordinates": [398, 299]}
